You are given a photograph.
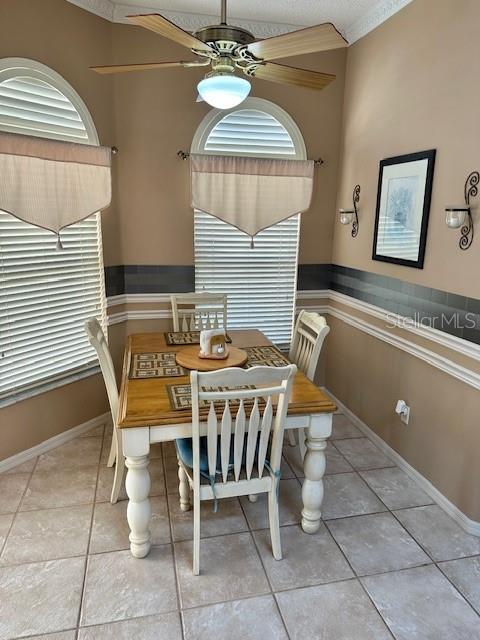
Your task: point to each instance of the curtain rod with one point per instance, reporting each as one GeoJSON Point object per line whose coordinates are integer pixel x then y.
{"type": "Point", "coordinates": [184, 155]}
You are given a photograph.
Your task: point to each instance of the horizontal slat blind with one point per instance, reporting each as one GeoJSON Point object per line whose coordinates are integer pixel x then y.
{"type": "Point", "coordinates": [45, 294]}
{"type": "Point", "coordinates": [260, 283]}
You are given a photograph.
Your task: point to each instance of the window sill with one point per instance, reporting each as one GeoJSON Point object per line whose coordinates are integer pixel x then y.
{"type": "Point", "coordinates": [49, 385]}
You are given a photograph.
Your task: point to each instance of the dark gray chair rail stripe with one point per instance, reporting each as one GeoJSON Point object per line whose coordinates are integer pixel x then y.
{"type": "Point", "coordinates": [449, 312]}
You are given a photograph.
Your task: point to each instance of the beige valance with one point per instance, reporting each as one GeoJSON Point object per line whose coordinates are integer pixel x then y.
{"type": "Point", "coordinates": [52, 184]}
{"type": "Point", "coordinates": [251, 194]}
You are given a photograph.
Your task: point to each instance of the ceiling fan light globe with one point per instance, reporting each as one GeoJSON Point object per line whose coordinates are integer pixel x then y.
{"type": "Point", "coordinates": [224, 91]}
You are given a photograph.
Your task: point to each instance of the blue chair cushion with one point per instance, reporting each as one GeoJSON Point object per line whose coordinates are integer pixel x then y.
{"type": "Point", "coordinates": [185, 453]}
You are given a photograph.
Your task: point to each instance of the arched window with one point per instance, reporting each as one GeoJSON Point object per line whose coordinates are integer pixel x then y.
{"type": "Point", "coordinates": [45, 294]}
{"type": "Point", "coordinates": [260, 282]}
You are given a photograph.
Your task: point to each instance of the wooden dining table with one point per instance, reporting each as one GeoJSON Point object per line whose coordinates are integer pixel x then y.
{"type": "Point", "coordinates": [146, 416]}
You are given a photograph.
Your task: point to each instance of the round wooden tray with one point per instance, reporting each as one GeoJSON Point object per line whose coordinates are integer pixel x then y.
{"type": "Point", "coordinates": [188, 357]}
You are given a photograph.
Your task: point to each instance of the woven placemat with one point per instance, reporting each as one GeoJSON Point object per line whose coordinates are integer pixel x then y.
{"type": "Point", "coordinates": [155, 365]}
{"type": "Point", "coordinates": [175, 338]}
{"type": "Point", "coordinates": [265, 356]}
{"type": "Point", "coordinates": [180, 396]}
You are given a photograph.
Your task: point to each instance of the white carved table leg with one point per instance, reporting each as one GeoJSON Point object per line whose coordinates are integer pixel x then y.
{"type": "Point", "coordinates": [136, 447]}
{"type": "Point", "coordinates": [183, 488]}
{"type": "Point", "coordinates": [314, 468]}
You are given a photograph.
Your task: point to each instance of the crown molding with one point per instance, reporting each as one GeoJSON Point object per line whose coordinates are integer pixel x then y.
{"type": "Point", "coordinates": [194, 21]}
{"type": "Point", "coordinates": [114, 12]}
{"type": "Point", "coordinates": [382, 11]}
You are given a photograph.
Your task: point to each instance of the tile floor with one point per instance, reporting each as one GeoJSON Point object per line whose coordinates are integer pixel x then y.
{"type": "Point", "coordinates": [386, 563]}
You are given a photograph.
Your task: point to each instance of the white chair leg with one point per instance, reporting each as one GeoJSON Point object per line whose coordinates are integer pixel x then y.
{"type": "Point", "coordinates": [196, 534]}
{"type": "Point", "coordinates": [291, 437]}
{"type": "Point", "coordinates": [183, 488]}
{"type": "Point", "coordinates": [112, 456]}
{"type": "Point", "coordinates": [119, 466]}
{"type": "Point", "coordinates": [301, 442]}
{"type": "Point", "coordinates": [274, 523]}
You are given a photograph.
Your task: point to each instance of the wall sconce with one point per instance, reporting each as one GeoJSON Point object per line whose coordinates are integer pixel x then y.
{"type": "Point", "coordinates": [350, 216]}
{"type": "Point", "coordinates": [461, 215]}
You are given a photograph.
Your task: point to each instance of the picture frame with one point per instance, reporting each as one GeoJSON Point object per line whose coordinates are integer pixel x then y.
{"type": "Point", "coordinates": [403, 208]}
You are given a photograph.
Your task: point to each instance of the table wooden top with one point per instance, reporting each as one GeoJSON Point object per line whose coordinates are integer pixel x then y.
{"type": "Point", "coordinates": [145, 402]}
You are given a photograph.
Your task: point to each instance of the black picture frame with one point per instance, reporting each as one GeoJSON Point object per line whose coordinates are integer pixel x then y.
{"type": "Point", "coordinates": [428, 155]}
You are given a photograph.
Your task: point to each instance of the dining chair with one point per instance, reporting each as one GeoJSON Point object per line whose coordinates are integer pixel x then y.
{"type": "Point", "coordinates": [197, 311]}
{"type": "Point", "coordinates": [236, 457]}
{"type": "Point", "coordinates": [309, 333]}
{"type": "Point", "coordinates": [99, 343]}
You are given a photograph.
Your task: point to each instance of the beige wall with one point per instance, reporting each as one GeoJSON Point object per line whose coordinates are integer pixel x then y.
{"type": "Point", "coordinates": [68, 40]}
{"type": "Point", "coordinates": [410, 85]}
{"type": "Point", "coordinates": [156, 115]}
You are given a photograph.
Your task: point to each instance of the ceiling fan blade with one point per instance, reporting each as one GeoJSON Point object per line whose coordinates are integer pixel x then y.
{"type": "Point", "coordinates": [321, 37]}
{"type": "Point", "coordinates": [157, 23]}
{"type": "Point", "coordinates": [124, 68]}
{"type": "Point", "coordinates": [291, 75]}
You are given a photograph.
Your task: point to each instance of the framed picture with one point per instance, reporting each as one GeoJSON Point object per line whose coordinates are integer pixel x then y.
{"type": "Point", "coordinates": [403, 206]}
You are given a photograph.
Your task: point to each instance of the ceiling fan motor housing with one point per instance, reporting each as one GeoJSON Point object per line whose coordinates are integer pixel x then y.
{"type": "Point", "coordinates": [226, 33]}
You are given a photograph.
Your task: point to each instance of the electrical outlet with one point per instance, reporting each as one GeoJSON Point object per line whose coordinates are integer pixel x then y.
{"type": "Point", "coordinates": [403, 411]}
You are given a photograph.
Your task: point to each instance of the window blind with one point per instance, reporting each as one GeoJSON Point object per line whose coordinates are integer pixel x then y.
{"type": "Point", "coordinates": [261, 282]}
{"type": "Point", "coordinates": [45, 294]}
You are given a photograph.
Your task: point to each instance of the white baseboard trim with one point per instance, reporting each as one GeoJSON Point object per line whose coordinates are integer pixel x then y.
{"type": "Point", "coordinates": [466, 523]}
{"type": "Point", "coordinates": [51, 443]}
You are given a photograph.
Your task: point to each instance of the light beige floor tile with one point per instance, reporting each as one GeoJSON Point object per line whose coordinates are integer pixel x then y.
{"type": "Point", "coordinates": [362, 454]}
{"type": "Point", "coordinates": [169, 450]}
{"type": "Point", "coordinates": [95, 432]}
{"type": "Point", "coordinates": [286, 470]}
{"type": "Point", "coordinates": [252, 619]}
{"type": "Point", "coordinates": [119, 586]}
{"type": "Point", "coordinates": [110, 527]}
{"type": "Point", "coordinates": [230, 568]}
{"type": "Point", "coordinates": [307, 559]}
{"type": "Point", "coordinates": [42, 597]}
{"type": "Point", "coordinates": [346, 494]}
{"type": "Point", "coordinates": [376, 543]}
{"type": "Point", "coordinates": [105, 481]}
{"type": "Point", "coordinates": [335, 611]}
{"type": "Point", "coordinates": [12, 487]}
{"type": "Point", "coordinates": [25, 467]}
{"type": "Point", "coordinates": [439, 535]}
{"type": "Point", "coordinates": [420, 603]}
{"type": "Point", "coordinates": [165, 626]}
{"type": "Point", "coordinates": [48, 534]}
{"type": "Point", "coordinates": [107, 443]}
{"type": "Point", "coordinates": [336, 463]}
{"type": "Point", "coordinates": [171, 475]}
{"type": "Point", "coordinates": [81, 452]}
{"type": "Point", "coordinates": [5, 524]}
{"type": "Point", "coordinates": [60, 488]}
{"type": "Point", "coordinates": [395, 488]}
{"type": "Point", "coordinates": [105, 484]}
{"type": "Point", "coordinates": [465, 575]}
{"type": "Point", "coordinates": [228, 519]}
{"type": "Point", "coordinates": [343, 428]}
{"type": "Point", "coordinates": [156, 451]}
{"type": "Point", "coordinates": [290, 506]}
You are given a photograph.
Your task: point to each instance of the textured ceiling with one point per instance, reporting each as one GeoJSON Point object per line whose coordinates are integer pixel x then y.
{"type": "Point", "coordinates": [354, 18]}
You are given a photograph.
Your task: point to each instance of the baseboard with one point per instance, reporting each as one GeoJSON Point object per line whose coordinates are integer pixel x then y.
{"type": "Point", "coordinates": [51, 443]}
{"type": "Point", "coordinates": [467, 524]}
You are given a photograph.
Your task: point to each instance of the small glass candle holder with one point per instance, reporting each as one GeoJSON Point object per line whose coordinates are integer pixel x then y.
{"type": "Point", "coordinates": [456, 216]}
{"type": "Point", "coordinates": [346, 216]}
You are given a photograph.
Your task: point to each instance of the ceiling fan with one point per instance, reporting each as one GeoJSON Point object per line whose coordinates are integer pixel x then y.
{"type": "Point", "coordinates": [225, 47]}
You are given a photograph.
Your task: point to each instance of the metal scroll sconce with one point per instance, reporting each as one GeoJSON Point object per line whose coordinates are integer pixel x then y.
{"type": "Point", "coordinates": [350, 216]}
{"type": "Point", "coordinates": [461, 215]}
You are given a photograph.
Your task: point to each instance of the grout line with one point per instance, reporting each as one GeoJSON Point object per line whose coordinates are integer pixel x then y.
{"type": "Point", "coordinates": [174, 555]}
{"type": "Point", "coordinates": [82, 595]}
